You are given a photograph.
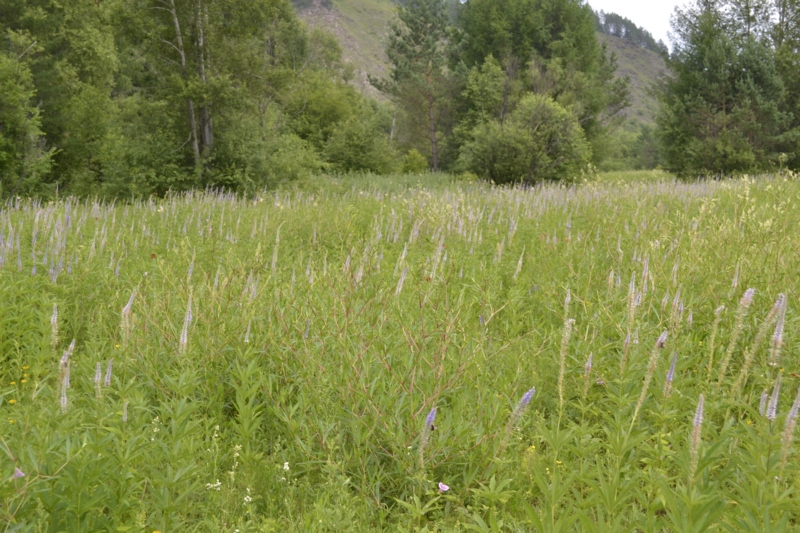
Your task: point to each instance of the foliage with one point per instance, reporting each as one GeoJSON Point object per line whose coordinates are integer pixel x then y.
{"type": "Point", "coordinates": [138, 98]}
{"type": "Point", "coordinates": [723, 107]}
{"type": "Point", "coordinates": [624, 28]}
{"type": "Point", "coordinates": [276, 358]}
{"type": "Point", "coordinates": [23, 158]}
{"type": "Point", "coordinates": [540, 141]}
{"type": "Point", "coordinates": [414, 162]}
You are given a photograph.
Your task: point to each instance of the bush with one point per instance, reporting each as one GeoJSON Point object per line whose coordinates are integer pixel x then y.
{"type": "Point", "coordinates": [540, 141]}
{"type": "Point", "coordinates": [358, 144]}
{"type": "Point", "coordinates": [414, 162]}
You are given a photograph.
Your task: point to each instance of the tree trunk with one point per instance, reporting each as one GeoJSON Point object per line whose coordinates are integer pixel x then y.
{"type": "Point", "coordinates": [434, 150]}
{"type": "Point", "coordinates": [206, 124]}
{"type": "Point", "coordinates": [189, 101]}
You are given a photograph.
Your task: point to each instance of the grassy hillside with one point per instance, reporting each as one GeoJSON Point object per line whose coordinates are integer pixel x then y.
{"type": "Point", "coordinates": [360, 26]}
{"type": "Point", "coordinates": [643, 67]}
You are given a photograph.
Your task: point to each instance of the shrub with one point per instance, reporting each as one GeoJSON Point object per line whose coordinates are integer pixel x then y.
{"type": "Point", "coordinates": [540, 141]}
{"type": "Point", "coordinates": [414, 162]}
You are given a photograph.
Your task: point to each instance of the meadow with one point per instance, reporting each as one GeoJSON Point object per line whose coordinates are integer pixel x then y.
{"type": "Point", "coordinates": [415, 354]}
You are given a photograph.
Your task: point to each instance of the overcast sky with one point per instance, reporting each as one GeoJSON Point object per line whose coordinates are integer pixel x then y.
{"type": "Point", "coordinates": [652, 15]}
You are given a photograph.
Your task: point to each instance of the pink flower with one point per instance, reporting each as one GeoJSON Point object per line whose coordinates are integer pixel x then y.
{"type": "Point", "coordinates": [19, 473]}
{"type": "Point", "coordinates": [443, 487]}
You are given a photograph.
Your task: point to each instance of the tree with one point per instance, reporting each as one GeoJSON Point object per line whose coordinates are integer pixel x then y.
{"type": "Point", "coordinates": [552, 45]}
{"type": "Point", "coordinates": [420, 82]}
{"type": "Point", "coordinates": [23, 158]}
{"type": "Point", "coordinates": [721, 108]}
{"type": "Point", "coordinates": [540, 141]}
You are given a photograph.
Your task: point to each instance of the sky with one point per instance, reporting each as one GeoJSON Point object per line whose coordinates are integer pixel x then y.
{"type": "Point", "coordinates": [652, 15]}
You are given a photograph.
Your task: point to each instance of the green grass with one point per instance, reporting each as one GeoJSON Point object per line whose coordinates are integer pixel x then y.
{"type": "Point", "coordinates": [298, 401]}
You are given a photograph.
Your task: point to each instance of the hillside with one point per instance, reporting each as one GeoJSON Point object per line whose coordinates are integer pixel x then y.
{"type": "Point", "coordinates": [361, 26]}
{"type": "Point", "coordinates": [643, 67]}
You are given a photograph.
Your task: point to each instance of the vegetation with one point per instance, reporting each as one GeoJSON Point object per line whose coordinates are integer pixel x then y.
{"type": "Point", "coordinates": [432, 355]}
{"type": "Point", "coordinates": [624, 28]}
{"type": "Point", "coordinates": [730, 104]}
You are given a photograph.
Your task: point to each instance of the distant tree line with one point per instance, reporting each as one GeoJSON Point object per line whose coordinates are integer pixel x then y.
{"type": "Point", "coordinates": [116, 97]}
{"type": "Point", "coordinates": [619, 26]}
{"type": "Point", "coordinates": [120, 97]}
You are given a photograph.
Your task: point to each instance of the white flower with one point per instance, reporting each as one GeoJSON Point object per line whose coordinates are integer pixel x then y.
{"type": "Point", "coordinates": [286, 466]}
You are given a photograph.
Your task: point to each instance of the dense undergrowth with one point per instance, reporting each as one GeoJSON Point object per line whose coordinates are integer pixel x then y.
{"type": "Point", "coordinates": [359, 360]}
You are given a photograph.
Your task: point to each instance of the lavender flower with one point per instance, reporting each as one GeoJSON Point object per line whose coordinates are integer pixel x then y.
{"type": "Point", "coordinates": [670, 376]}
{"type": "Point", "coordinates": [772, 406]}
{"type": "Point", "coordinates": [425, 436]}
{"type": "Point", "coordinates": [762, 405]}
{"type": "Point", "coordinates": [19, 474]}
{"type": "Point", "coordinates": [443, 487]}
{"type": "Point", "coordinates": [401, 282]}
{"type": "Point", "coordinates": [697, 427]}
{"type": "Point", "coordinates": [788, 431]}
{"type": "Point", "coordinates": [54, 327]}
{"type": "Point", "coordinates": [107, 381]}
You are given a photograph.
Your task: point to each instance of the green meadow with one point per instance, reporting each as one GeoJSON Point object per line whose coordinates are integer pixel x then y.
{"type": "Point", "coordinates": [417, 353]}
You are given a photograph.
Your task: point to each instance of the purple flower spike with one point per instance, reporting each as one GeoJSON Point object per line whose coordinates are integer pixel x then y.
{"type": "Point", "coordinates": [430, 419]}
{"type": "Point", "coordinates": [526, 398]}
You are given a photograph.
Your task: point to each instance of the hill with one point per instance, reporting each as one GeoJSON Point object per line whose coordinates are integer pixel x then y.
{"type": "Point", "coordinates": [642, 67]}
{"type": "Point", "coordinates": [361, 26]}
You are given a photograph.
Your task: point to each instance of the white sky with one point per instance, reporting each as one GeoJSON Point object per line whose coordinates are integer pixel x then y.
{"type": "Point", "coordinates": [652, 15]}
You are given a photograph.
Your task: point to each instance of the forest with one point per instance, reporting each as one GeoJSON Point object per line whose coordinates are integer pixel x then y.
{"type": "Point", "coordinates": [119, 98]}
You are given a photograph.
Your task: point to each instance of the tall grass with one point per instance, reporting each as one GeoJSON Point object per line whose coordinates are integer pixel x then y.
{"type": "Point", "coordinates": [365, 358]}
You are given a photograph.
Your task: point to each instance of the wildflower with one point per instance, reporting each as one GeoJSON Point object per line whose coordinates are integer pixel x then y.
{"type": "Point", "coordinates": [107, 380]}
{"type": "Point", "coordinates": [744, 304]}
{"type": "Point", "coordinates": [426, 434]}
{"type": "Point", "coordinates": [772, 406]}
{"type": "Point", "coordinates": [443, 487]}
{"type": "Point", "coordinates": [185, 331]}
{"type": "Point", "coordinates": [13, 383]}
{"type": "Point", "coordinates": [587, 374]}
{"type": "Point", "coordinates": [12, 401]}
{"type": "Point", "coordinates": [54, 327]}
{"type": "Point", "coordinates": [563, 359]}
{"type": "Point", "coordinates": [651, 369]}
{"type": "Point", "coordinates": [788, 431]}
{"type": "Point", "coordinates": [670, 376]}
{"type": "Point", "coordinates": [697, 427]}
{"type": "Point", "coordinates": [517, 412]}
{"type": "Point", "coordinates": [247, 498]}
{"type": "Point", "coordinates": [774, 313]}
{"type": "Point", "coordinates": [286, 466]}
{"type": "Point", "coordinates": [401, 282]}
{"type": "Point", "coordinates": [98, 374]}
{"type": "Point", "coordinates": [17, 473]}
{"type": "Point", "coordinates": [763, 403]}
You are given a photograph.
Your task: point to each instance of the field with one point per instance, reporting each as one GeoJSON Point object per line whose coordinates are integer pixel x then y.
{"type": "Point", "coordinates": [363, 357]}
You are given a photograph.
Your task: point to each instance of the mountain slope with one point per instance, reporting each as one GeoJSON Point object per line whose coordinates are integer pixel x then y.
{"type": "Point", "coordinates": [643, 67]}
{"type": "Point", "coordinates": [362, 25]}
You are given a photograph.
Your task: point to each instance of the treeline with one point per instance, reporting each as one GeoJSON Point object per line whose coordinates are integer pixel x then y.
{"type": "Point", "coordinates": [624, 28]}
{"type": "Point", "coordinates": [120, 97]}
{"type": "Point", "coordinates": [511, 90]}
{"type": "Point", "coordinates": [732, 102]}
